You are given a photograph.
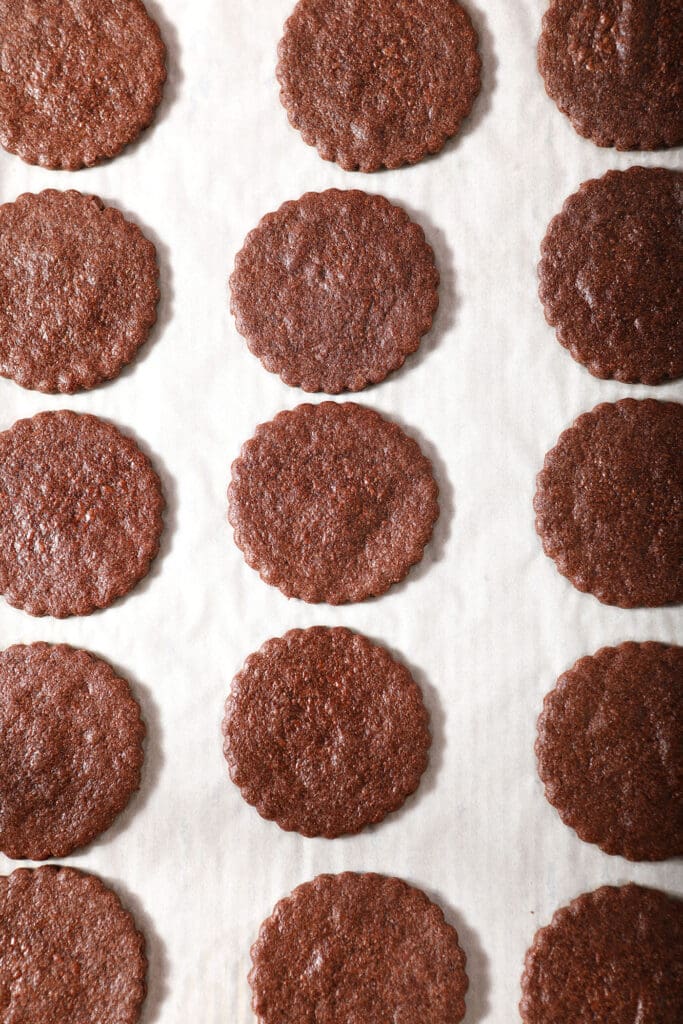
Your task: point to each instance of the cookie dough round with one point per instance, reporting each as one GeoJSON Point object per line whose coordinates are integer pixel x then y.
{"type": "Point", "coordinates": [609, 750]}
{"type": "Point", "coordinates": [358, 947]}
{"type": "Point", "coordinates": [613, 956]}
{"type": "Point", "coordinates": [610, 275]}
{"type": "Point", "coordinates": [614, 68]}
{"type": "Point", "coordinates": [333, 291]}
{"type": "Point", "coordinates": [68, 950]}
{"type": "Point", "coordinates": [79, 80]}
{"type": "Point", "coordinates": [80, 514]}
{"type": "Point", "coordinates": [609, 502]}
{"type": "Point", "coordinates": [70, 749]}
{"type": "Point", "coordinates": [78, 291]}
{"type": "Point", "coordinates": [332, 502]}
{"type": "Point", "coordinates": [376, 83]}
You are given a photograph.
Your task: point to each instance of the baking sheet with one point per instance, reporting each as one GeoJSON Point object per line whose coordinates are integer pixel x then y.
{"type": "Point", "coordinates": [485, 622]}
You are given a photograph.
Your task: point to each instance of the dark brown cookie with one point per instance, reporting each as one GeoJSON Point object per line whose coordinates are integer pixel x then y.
{"type": "Point", "coordinates": [613, 956]}
{"type": "Point", "coordinates": [324, 732]}
{"type": "Point", "coordinates": [614, 68]}
{"type": "Point", "coordinates": [333, 291]}
{"type": "Point", "coordinates": [69, 952]}
{"type": "Point", "coordinates": [70, 749]}
{"type": "Point", "coordinates": [79, 80]}
{"type": "Point", "coordinates": [610, 275]}
{"type": "Point", "coordinates": [351, 948]}
{"type": "Point", "coordinates": [609, 503]}
{"type": "Point", "coordinates": [609, 750]}
{"type": "Point", "coordinates": [80, 514]}
{"type": "Point", "coordinates": [78, 291]}
{"type": "Point", "coordinates": [378, 83]}
{"type": "Point", "coordinates": [332, 502]}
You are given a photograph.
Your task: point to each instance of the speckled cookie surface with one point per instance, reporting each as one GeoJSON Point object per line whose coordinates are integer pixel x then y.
{"type": "Point", "coordinates": [78, 291]}
{"type": "Point", "coordinates": [609, 747]}
{"type": "Point", "coordinates": [332, 502]}
{"type": "Point", "coordinates": [609, 503]}
{"type": "Point", "coordinates": [80, 514]}
{"type": "Point", "coordinates": [325, 732]}
{"type": "Point", "coordinates": [69, 952]}
{"type": "Point", "coordinates": [613, 956]}
{"type": "Point", "coordinates": [350, 948]}
{"type": "Point", "coordinates": [70, 749]}
{"type": "Point", "coordinates": [610, 275]}
{"type": "Point", "coordinates": [378, 83]}
{"type": "Point", "coordinates": [333, 291]}
{"type": "Point", "coordinates": [614, 68]}
{"type": "Point", "coordinates": [79, 79]}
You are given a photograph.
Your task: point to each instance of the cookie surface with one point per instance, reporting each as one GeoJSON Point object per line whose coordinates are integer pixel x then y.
{"type": "Point", "coordinates": [80, 79]}
{"type": "Point", "coordinates": [613, 67]}
{"type": "Point", "coordinates": [609, 502]}
{"type": "Point", "coordinates": [608, 748]}
{"type": "Point", "coordinates": [332, 502]}
{"type": "Point", "coordinates": [610, 275]}
{"type": "Point", "coordinates": [333, 291]}
{"type": "Point", "coordinates": [376, 83]}
{"type": "Point", "coordinates": [78, 291]}
{"type": "Point", "coordinates": [70, 749]}
{"type": "Point", "coordinates": [613, 956]}
{"type": "Point", "coordinates": [350, 948]}
{"type": "Point", "coordinates": [68, 950]}
{"type": "Point", "coordinates": [324, 732]}
{"type": "Point", "coordinates": [80, 514]}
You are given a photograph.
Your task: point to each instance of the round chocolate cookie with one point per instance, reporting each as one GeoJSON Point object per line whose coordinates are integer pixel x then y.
{"type": "Point", "coordinates": [80, 514]}
{"type": "Point", "coordinates": [614, 68]}
{"type": "Point", "coordinates": [378, 83]}
{"type": "Point", "coordinates": [70, 749]}
{"type": "Point", "coordinates": [609, 503]}
{"type": "Point", "coordinates": [613, 956]}
{"type": "Point", "coordinates": [333, 291]}
{"type": "Point", "coordinates": [609, 750]}
{"type": "Point", "coordinates": [79, 79]}
{"type": "Point", "coordinates": [69, 952]}
{"type": "Point", "coordinates": [78, 291]}
{"type": "Point", "coordinates": [610, 275]}
{"type": "Point", "coordinates": [324, 732]}
{"type": "Point", "coordinates": [332, 502]}
{"type": "Point", "coordinates": [367, 948]}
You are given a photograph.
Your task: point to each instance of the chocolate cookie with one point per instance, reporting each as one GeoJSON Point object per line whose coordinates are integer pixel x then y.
{"type": "Point", "coordinates": [611, 271]}
{"type": "Point", "coordinates": [347, 948]}
{"type": "Point", "coordinates": [78, 291]}
{"type": "Point", "coordinates": [332, 502]}
{"type": "Point", "coordinates": [70, 749]}
{"type": "Point", "coordinates": [609, 750]}
{"type": "Point", "coordinates": [613, 956]}
{"type": "Point", "coordinates": [335, 290]}
{"type": "Point", "coordinates": [324, 732]}
{"type": "Point", "coordinates": [614, 68]}
{"type": "Point", "coordinates": [609, 503]}
{"type": "Point", "coordinates": [376, 83]}
{"type": "Point", "coordinates": [79, 79]}
{"type": "Point", "coordinates": [80, 514]}
{"type": "Point", "coordinates": [69, 952]}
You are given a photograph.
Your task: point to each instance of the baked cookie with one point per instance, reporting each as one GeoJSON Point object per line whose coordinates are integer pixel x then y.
{"type": "Point", "coordinates": [332, 502]}
{"type": "Point", "coordinates": [78, 291]}
{"type": "Point", "coordinates": [376, 83]}
{"type": "Point", "coordinates": [614, 68]}
{"type": "Point", "coordinates": [610, 275]}
{"type": "Point", "coordinates": [80, 514]}
{"type": "Point", "coordinates": [365, 948]}
{"type": "Point", "coordinates": [333, 291]}
{"type": "Point", "coordinates": [609, 503]}
{"type": "Point", "coordinates": [79, 79]}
